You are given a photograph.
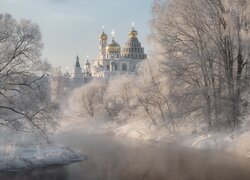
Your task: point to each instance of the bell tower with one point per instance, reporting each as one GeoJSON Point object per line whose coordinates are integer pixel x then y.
{"type": "Point", "coordinates": [103, 43]}
{"type": "Point", "coordinates": [133, 48]}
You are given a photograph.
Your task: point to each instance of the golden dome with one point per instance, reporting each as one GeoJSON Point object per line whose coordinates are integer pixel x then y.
{"type": "Point", "coordinates": [133, 33]}
{"type": "Point", "coordinates": [113, 46]}
{"type": "Point", "coordinates": [103, 36]}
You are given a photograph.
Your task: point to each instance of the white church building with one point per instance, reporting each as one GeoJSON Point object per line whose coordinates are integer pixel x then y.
{"type": "Point", "coordinates": [112, 59]}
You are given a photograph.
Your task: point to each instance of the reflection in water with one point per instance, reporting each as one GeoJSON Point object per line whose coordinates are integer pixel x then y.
{"type": "Point", "coordinates": [111, 159]}
{"type": "Point", "coordinates": [51, 173]}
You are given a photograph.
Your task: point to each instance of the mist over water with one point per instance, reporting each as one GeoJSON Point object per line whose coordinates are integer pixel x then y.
{"type": "Point", "coordinates": [113, 159]}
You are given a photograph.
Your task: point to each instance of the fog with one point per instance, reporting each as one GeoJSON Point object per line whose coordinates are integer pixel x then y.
{"type": "Point", "coordinates": [116, 158]}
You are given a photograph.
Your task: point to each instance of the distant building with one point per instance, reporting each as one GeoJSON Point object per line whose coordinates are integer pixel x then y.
{"type": "Point", "coordinates": [111, 60]}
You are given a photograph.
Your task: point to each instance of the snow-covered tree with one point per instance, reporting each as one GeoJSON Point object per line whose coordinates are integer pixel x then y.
{"type": "Point", "coordinates": [87, 101]}
{"type": "Point", "coordinates": [24, 93]}
{"type": "Point", "coordinates": [120, 100]}
{"type": "Point", "coordinates": [153, 93]}
{"type": "Point", "coordinates": [205, 44]}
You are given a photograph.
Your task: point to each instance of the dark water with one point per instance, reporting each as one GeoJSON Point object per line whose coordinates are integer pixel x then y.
{"type": "Point", "coordinates": [116, 159]}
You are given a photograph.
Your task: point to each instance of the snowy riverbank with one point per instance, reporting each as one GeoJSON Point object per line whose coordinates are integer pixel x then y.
{"type": "Point", "coordinates": [236, 142]}
{"type": "Point", "coordinates": [15, 157]}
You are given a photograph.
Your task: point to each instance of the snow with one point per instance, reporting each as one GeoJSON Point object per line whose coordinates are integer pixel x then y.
{"type": "Point", "coordinates": [134, 130]}
{"type": "Point", "coordinates": [15, 157]}
{"type": "Point", "coordinates": [234, 142]}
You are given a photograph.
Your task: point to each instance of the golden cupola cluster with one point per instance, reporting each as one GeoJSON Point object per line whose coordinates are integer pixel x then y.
{"type": "Point", "coordinates": [131, 50]}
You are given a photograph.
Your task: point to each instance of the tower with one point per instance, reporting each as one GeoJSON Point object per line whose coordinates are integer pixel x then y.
{"type": "Point", "coordinates": [133, 48]}
{"type": "Point", "coordinates": [103, 38]}
{"type": "Point", "coordinates": [77, 72]}
{"type": "Point", "coordinates": [87, 68]}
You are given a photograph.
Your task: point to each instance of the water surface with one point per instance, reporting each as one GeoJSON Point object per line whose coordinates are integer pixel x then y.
{"type": "Point", "coordinates": [114, 159]}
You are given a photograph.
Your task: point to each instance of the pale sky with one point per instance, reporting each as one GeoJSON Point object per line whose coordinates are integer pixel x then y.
{"type": "Point", "coordinates": [72, 27]}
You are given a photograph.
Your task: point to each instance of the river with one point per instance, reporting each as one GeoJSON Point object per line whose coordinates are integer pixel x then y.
{"type": "Point", "coordinates": [119, 159]}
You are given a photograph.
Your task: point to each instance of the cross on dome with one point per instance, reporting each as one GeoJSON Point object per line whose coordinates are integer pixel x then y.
{"type": "Point", "coordinates": [113, 34]}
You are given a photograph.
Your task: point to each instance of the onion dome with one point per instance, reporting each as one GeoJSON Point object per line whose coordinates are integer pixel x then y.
{"type": "Point", "coordinates": [133, 33]}
{"type": "Point", "coordinates": [103, 36]}
{"type": "Point", "coordinates": [113, 46]}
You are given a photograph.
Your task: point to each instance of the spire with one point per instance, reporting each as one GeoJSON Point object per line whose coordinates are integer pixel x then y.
{"type": "Point", "coordinates": [77, 62]}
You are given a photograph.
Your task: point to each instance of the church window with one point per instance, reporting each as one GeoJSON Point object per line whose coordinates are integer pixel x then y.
{"type": "Point", "coordinates": [108, 67]}
{"type": "Point", "coordinates": [134, 67]}
{"type": "Point", "coordinates": [114, 66]}
{"type": "Point", "coordinates": [124, 66]}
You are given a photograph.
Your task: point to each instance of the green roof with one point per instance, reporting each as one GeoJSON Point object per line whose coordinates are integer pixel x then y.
{"type": "Point", "coordinates": [77, 62]}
